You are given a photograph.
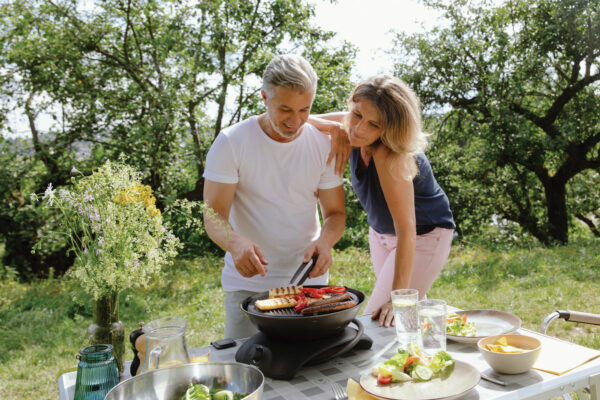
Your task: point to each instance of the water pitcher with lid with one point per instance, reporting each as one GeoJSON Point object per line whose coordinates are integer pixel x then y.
{"type": "Point", "coordinates": [165, 343]}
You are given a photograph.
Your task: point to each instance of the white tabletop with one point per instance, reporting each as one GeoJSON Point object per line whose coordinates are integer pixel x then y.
{"type": "Point", "coordinates": [313, 382]}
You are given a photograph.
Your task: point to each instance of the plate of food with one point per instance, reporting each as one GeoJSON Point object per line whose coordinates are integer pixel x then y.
{"type": "Point", "coordinates": [412, 375]}
{"type": "Point", "coordinates": [471, 325]}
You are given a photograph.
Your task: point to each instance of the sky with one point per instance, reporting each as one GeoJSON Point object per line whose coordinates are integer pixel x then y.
{"type": "Point", "coordinates": [367, 25]}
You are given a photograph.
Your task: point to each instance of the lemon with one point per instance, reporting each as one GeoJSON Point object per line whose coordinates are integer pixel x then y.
{"type": "Point", "coordinates": [400, 303]}
{"type": "Point", "coordinates": [414, 349]}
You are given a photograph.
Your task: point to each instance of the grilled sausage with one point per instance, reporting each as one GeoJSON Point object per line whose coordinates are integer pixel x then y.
{"type": "Point", "coordinates": [333, 299]}
{"type": "Point", "coordinates": [325, 308]}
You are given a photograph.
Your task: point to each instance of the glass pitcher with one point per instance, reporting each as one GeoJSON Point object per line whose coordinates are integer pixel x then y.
{"type": "Point", "coordinates": [165, 343]}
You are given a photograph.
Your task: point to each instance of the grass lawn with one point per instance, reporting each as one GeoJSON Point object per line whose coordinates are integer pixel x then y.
{"type": "Point", "coordinates": [43, 323]}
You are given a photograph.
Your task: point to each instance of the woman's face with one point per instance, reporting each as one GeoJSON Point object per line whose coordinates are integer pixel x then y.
{"type": "Point", "coordinates": [364, 127]}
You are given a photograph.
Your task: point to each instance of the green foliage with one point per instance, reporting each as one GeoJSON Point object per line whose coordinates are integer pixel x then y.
{"type": "Point", "coordinates": [512, 92]}
{"type": "Point", "coordinates": [154, 80]}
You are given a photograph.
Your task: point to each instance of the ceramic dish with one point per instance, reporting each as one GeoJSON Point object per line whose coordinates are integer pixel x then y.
{"type": "Point", "coordinates": [487, 323]}
{"type": "Point", "coordinates": [511, 363]}
{"type": "Point", "coordinates": [463, 378]}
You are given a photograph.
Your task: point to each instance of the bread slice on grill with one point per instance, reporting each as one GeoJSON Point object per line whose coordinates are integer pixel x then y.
{"type": "Point", "coordinates": [286, 291]}
{"type": "Point", "coordinates": [275, 304]}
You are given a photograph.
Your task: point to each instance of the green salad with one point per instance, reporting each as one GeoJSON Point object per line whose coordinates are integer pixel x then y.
{"type": "Point", "coordinates": [198, 391]}
{"type": "Point", "coordinates": [458, 325]}
{"type": "Point", "coordinates": [413, 365]}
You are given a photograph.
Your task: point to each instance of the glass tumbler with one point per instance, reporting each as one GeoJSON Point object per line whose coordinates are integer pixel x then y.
{"type": "Point", "coordinates": [96, 372]}
{"type": "Point", "coordinates": [404, 302]}
{"type": "Point", "coordinates": [432, 324]}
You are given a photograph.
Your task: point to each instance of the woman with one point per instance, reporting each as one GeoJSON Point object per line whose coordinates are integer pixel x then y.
{"type": "Point", "coordinates": [410, 222]}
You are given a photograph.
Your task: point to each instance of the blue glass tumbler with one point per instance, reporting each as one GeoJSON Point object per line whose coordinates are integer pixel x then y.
{"type": "Point", "coordinates": [96, 372]}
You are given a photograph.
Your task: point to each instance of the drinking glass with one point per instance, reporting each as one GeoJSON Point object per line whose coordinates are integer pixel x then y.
{"type": "Point", "coordinates": [405, 316]}
{"type": "Point", "coordinates": [432, 325]}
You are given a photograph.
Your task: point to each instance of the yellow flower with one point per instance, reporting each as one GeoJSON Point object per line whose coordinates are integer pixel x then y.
{"type": "Point", "coordinates": [153, 211]}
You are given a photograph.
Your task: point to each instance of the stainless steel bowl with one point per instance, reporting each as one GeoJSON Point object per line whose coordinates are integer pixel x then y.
{"type": "Point", "coordinates": [171, 383]}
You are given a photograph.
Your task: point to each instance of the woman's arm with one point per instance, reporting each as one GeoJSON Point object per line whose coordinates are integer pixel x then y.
{"type": "Point", "coordinates": [334, 116]}
{"type": "Point", "coordinates": [398, 190]}
{"type": "Point", "coordinates": [331, 124]}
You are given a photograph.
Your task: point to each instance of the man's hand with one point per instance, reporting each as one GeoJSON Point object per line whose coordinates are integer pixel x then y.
{"type": "Point", "coordinates": [385, 314]}
{"type": "Point", "coordinates": [248, 258]}
{"type": "Point", "coordinates": [324, 261]}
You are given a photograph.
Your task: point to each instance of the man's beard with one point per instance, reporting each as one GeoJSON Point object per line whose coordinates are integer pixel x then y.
{"type": "Point", "coordinates": [281, 133]}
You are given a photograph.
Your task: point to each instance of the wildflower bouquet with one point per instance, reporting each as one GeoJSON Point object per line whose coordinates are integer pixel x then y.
{"type": "Point", "coordinates": [114, 228]}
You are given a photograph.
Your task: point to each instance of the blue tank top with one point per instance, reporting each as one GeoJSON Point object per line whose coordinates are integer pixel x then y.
{"type": "Point", "coordinates": [432, 208]}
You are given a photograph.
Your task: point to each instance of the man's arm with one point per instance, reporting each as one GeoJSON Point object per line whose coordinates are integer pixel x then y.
{"type": "Point", "coordinates": [334, 222]}
{"type": "Point", "coordinates": [247, 256]}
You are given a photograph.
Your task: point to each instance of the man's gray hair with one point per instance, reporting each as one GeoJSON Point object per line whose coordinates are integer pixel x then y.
{"type": "Point", "coordinates": [291, 71]}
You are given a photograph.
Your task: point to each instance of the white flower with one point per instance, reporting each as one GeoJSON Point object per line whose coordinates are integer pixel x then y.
{"type": "Point", "coordinates": [49, 194]}
{"type": "Point", "coordinates": [33, 197]}
{"type": "Point", "coordinates": [74, 170]}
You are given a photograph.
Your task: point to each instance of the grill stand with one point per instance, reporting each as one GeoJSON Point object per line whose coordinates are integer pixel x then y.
{"type": "Point", "coordinates": [282, 360]}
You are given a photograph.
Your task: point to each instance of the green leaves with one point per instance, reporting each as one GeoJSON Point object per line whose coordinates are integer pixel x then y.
{"type": "Point", "coordinates": [510, 89]}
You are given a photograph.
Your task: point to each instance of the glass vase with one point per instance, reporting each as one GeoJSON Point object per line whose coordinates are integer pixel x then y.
{"type": "Point", "coordinates": [96, 372]}
{"type": "Point", "coordinates": [106, 327]}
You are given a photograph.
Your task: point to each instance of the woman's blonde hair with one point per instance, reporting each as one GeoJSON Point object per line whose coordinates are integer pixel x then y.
{"type": "Point", "coordinates": [399, 111]}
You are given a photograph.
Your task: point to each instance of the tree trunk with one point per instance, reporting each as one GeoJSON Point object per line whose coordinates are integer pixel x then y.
{"type": "Point", "coordinates": [556, 205]}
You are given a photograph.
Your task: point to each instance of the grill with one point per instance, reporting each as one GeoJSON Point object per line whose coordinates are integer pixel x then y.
{"type": "Point", "coordinates": [289, 325]}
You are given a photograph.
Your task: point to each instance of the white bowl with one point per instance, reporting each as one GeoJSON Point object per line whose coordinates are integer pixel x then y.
{"type": "Point", "coordinates": [511, 363]}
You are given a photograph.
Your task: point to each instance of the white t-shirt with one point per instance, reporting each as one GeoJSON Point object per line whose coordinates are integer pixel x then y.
{"type": "Point", "coordinates": [275, 203]}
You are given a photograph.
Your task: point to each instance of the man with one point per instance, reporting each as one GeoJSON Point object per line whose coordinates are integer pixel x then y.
{"type": "Point", "coordinates": [264, 178]}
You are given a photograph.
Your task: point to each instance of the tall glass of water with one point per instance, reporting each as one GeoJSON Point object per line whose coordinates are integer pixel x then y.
{"type": "Point", "coordinates": [432, 325]}
{"type": "Point", "coordinates": [405, 316]}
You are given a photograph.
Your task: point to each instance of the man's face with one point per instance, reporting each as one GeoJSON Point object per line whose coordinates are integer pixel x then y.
{"type": "Point", "coordinates": [287, 111]}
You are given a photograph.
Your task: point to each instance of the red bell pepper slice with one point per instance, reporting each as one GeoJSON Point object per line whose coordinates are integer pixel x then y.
{"type": "Point", "coordinates": [314, 293]}
{"type": "Point", "coordinates": [464, 318]}
{"type": "Point", "coordinates": [299, 297]}
{"type": "Point", "coordinates": [301, 304]}
{"type": "Point", "coordinates": [335, 289]}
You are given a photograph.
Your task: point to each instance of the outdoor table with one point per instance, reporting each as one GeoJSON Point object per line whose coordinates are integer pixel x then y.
{"type": "Point", "coordinates": [314, 382]}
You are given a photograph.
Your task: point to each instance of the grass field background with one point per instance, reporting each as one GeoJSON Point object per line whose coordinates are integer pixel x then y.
{"type": "Point", "coordinates": [43, 323]}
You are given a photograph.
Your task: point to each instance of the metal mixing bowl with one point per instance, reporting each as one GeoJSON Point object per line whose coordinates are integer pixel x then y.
{"type": "Point", "coordinates": [171, 383]}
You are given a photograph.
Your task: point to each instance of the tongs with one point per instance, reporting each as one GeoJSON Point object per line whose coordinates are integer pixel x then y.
{"type": "Point", "coordinates": [311, 264]}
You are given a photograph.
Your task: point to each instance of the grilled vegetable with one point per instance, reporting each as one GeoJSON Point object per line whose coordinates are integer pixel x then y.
{"type": "Point", "coordinates": [286, 291]}
{"type": "Point", "coordinates": [275, 304]}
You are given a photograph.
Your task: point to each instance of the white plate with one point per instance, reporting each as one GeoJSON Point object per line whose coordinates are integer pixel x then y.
{"type": "Point", "coordinates": [487, 323]}
{"type": "Point", "coordinates": [463, 378]}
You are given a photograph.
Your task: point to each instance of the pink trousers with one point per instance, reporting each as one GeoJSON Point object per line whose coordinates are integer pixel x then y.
{"type": "Point", "coordinates": [431, 254]}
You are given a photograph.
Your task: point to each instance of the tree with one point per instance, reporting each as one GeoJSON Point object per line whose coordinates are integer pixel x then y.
{"type": "Point", "coordinates": [152, 81]}
{"type": "Point", "coordinates": [516, 91]}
